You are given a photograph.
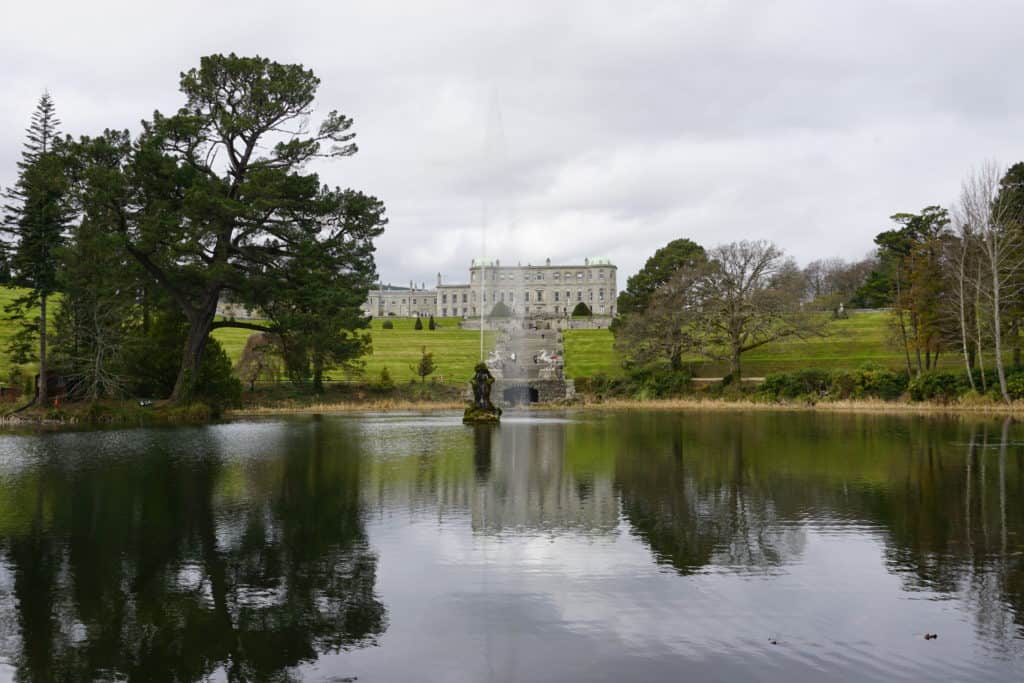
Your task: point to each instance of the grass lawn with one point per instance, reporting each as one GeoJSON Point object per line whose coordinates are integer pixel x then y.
{"type": "Point", "coordinates": [861, 338]}
{"type": "Point", "coordinates": [455, 351]}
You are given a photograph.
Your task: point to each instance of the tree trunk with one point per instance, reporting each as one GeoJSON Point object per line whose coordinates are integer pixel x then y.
{"type": "Point", "coordinates": [318, 373]}
{"type": "Point", "coordinates": [977, 324]}
{"type": "Point", "coordinates": [996, 332]}
{"type": "Point", "coordinates": [734, 366]}
{"type": "Point", "coordinates": [961, 276]}
{"type": "Point", "coordinates": [1015, 326]}
{"type": "Point", "coordinates": [903, 327]}
{"type": "Point", "coordinates": [200, 325]}
{"type": "Point", "coordinates": [43, 395]}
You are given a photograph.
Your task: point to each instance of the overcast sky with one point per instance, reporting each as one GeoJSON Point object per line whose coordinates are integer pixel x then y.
{"type": "Point", "coordinates": [575, 129]}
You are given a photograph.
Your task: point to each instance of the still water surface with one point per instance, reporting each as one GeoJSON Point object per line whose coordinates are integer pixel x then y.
{"type": "Point", "coordinates": [591, 547]}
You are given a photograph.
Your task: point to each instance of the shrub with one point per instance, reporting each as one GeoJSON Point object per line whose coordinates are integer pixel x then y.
{"type": "Point", "coordinates": [387, 325]}
{"type": "Point", "coordinates": [790, 385]}
{"type": "Point", "coordinates": [432, 324]}
{"type": "Point", "coordinates": [1015, 386]}
{"type": "Point", "coordinates": [936, 386]}
{"type": "Point", "coordinates": [152, 359]}
{"type": "Point", "coordinates": [581, 311]}
{"type": "Point", "coordinates": [386, 382]}
{"type": "Point", "coordinates": [419, 324]}
{"type": "Point", "coordinates": [500, 310]}
{"type": "Point", "coordinates": [867, 381]}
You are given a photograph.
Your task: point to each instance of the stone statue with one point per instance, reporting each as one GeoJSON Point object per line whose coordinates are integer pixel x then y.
{"type": "Point", "coordinates": [481, 410]}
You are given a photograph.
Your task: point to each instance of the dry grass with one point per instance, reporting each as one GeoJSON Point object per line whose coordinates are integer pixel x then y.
{"type": "Point", "coordinates": [847, 406]}
{"type": "Point", "coordinates": [371, 406]}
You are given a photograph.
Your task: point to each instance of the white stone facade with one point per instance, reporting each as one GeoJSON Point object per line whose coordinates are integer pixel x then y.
{"type": "Point", "coordinates": [527, 291]}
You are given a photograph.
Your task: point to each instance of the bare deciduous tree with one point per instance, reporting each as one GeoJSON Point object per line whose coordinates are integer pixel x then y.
{"type": "Point", "coordinates": [992, 219]}
{"type": "Point", "coordinates": [750, 297]}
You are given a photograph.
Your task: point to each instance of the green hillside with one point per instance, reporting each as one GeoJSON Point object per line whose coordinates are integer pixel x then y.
{"type": "Point", "coordinates": [863, 337]}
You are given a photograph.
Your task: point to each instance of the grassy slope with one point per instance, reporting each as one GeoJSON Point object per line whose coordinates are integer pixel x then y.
{"type": "Point", "coordinates": [455, 351]}
{"type": "Point", "coordinates": [861, 338]}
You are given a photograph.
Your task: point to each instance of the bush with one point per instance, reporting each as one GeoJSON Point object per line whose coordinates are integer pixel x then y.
{"type": "Point", "coordinates": [936, 386]}
{"type": "Point", "coordinates": [581, 311]}
{"type": "Point", "coordinates": [152, 360]}
{"type": "Point", "coordinates": [419, 324]}
{"type": "Point", "coordinates": [658, 381]}
{"type": "Point", "coordinates": [1015, 386]}
{"type": "Point", "coordinates": [867, 381]}
{"type": "Point", "coordinates": [790, 385]}
{"type": "Point", "coordinates": [432, 324]}
{"type": "Point", "coordinates": [386, 382]}
{"type": "Point", "coordinates": [500, 310]}
{"type": "Point", "coordinates": [387, 325]}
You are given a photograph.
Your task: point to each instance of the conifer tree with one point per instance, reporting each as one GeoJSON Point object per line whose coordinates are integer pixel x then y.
{"type": "Point", "coordinates": [36, 213]}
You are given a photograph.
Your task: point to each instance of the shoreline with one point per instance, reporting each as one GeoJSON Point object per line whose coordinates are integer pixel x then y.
{"type": "Point", "coordinates": [865, 406]}
{"type": "Point", "coordinates": [81, 419]}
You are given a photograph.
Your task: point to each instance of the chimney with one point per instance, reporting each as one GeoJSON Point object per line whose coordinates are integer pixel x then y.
{"type": "Point", "coordinates": [439, 279]}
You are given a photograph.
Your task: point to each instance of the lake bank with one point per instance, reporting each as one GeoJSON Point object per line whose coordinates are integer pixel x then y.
{"type": "Point", "coordinates": [132, 414]}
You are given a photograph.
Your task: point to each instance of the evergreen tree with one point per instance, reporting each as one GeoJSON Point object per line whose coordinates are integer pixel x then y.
{"type": "Point", "coordinates": [419, 324]}
{"type": "Point", "coordinates": [36, 213]}
{"type": "Point", "coordinates": [432, 324]}
{"type": "Point", "coordinates": [217, 201]}
{"type": "Point", "coordinates": [425, 366]}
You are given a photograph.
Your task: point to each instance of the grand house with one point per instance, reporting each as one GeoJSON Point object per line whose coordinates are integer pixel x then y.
{"type": "Point", "coordinates": [527, 291]}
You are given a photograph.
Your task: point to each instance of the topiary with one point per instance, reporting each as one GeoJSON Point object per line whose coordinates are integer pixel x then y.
{"type": "Point", "coordinates": [387, 325]}
{"type": "Point", "coordinates": [581, 311]}
{"type": "Point", "coordinates": [432, 324]}
{"type": "Point", "coordinates": [419, 324]}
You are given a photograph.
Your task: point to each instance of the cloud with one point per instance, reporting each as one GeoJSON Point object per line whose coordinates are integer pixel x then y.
{"type": "Point", "coordinates": [581, 128]}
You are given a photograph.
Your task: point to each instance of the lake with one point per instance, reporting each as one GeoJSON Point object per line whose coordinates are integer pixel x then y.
{"type": "Point", "coordinates": [630, 546]}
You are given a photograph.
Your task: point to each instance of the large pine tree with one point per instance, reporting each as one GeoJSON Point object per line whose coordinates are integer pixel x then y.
{"type": "Point", "coordinates": [35, 218]}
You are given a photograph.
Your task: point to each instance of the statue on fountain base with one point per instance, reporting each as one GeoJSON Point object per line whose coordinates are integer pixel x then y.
{"type": "Point", "coordinates": [481, 410]}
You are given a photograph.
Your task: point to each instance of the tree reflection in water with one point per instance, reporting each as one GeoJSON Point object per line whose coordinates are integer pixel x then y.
{"type": "Point", "coordinates": [243, 551]}
{"type": "Point", "coordinates": [740, 492]}
{"type": "Point", "coordinates": [171, 565]}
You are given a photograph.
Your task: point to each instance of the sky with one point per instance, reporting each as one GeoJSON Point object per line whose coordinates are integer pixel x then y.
{"type": "Point", "coordinates": [532, 130]}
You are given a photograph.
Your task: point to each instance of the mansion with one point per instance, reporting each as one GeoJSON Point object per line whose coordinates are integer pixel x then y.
{"type": "Point", "coordinates": [526, 291]}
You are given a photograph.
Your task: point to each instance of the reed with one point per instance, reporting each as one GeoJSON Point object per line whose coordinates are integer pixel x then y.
{"type": "Point", "coordinates": [842, 406]}
{"type": "Point", "coordinates": [370, 406]}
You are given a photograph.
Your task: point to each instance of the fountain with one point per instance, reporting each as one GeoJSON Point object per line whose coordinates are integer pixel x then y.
{"type": "Point", "coordinates": [481, 410]}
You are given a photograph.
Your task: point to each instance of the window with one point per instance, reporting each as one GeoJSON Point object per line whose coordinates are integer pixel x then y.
{"type": "Point", "coordinates": [600, 274]}
{"type": "Point", "coordinates": [579, 275]}
{"type": "Point", "coordinates": [579, 295]}
{"type": "Point", "coordinates": [557, 275]}
{"type": "Point", "coordinates": [463, 297]}
{"type": "Point", "coordinates": [568, 295]}
{"type": "Point", "coordinates": [590, 295]}
{"type": "Point", "coordinates": [590, 275]}
{"type": "Point", "coordinates": [540, 295]}
{"type": "Point", "coordinates": [503, 297]}
{"type": "Point", "coordinates": [444, 311]}
{"type": "Point", "coordinates": [403, 301]}
{"type": "Point", "coordinates": [512, 297]}
{"type": "Point", "coordinates": [527, 299]}
{"type": "Point", "coordinates": [414, 301]}
{"type": "Point", "coordinates": [444, 298]}
{"type": "Point", "coordinates": [600, 294]}
{"type": "Point", "coordinates": [556, 296]}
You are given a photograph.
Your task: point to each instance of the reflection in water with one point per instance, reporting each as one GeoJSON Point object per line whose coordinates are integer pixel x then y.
{"type": "Point", "coordinates": [158, 560]}
{"type": "Point", "coordinates": [610, 546]}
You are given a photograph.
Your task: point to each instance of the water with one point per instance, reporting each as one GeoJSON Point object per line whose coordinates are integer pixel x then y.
{"type": "Point", "coordinates": [619, 547]}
